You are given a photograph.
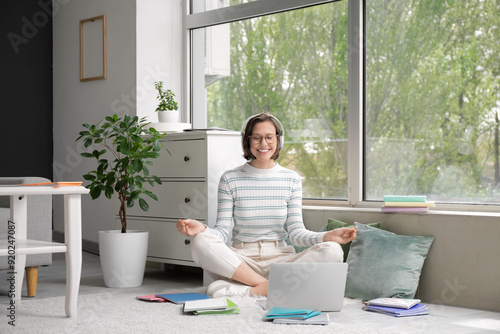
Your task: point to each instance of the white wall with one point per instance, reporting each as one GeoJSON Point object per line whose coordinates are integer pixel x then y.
{"type": "Point", "coordinates": [140, 50]}
{"type": "Point", "coordinates": [159, 52]}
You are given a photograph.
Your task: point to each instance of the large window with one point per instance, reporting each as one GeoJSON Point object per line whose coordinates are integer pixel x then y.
{"type": "Point", "coordinates": [432, 79]}
{"type": "Point", "coordinates": [423, 98]}
{"type": "Point", "coordinates": [292, 64]}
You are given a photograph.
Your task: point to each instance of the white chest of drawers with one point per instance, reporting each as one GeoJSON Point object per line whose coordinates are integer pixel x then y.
{"type": "Point", "coordinates": [190, 178]}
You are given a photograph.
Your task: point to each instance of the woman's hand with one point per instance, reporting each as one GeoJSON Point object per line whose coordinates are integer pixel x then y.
{"type": "Point", "coordinates": [190, 227]}
{"type": "Point", "coordinates": [341, 235]}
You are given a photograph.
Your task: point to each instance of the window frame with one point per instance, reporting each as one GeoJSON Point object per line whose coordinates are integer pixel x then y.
{"type": "Point", "coordinates": [196, 109]}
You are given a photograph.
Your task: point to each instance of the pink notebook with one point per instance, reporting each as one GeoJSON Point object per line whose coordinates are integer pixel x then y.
{"type": "Point", "coordinates": [404, 209]}
{"type": "Point", "coordinates": [151, 298]}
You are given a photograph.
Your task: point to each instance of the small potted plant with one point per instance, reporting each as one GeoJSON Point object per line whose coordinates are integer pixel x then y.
{"type": "Point", "coordinates": [126, 149]}
{"type": "Point", "coordinates": [167, 108]}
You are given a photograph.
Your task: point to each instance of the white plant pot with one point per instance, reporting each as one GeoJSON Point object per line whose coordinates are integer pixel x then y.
{"type": "Point", "coordinates": [123, 257]}
{"type": "Point", "coordinates": [168, 116]}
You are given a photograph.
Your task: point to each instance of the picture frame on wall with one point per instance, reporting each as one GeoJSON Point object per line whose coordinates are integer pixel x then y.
{"type": "Point", "coordinates": [93, 49]}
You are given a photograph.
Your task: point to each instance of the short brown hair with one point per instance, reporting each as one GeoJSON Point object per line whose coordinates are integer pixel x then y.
{"type": "Point", "coordinates": [248, 129]}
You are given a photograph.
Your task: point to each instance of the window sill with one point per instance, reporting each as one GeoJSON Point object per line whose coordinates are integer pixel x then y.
{"type": "Point", "coordinates": [367, 207]}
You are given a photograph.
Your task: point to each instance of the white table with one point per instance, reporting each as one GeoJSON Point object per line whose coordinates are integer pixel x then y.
{"type": "Point", "coordinates": [17, 237]}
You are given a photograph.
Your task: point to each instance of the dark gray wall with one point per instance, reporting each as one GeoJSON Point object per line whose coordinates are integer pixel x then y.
{"type": "Point", "coordinates": [26, 88]}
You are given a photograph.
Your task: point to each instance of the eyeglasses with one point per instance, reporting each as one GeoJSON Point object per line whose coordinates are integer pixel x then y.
{"type": "Point", "coordinates": [270, 139]}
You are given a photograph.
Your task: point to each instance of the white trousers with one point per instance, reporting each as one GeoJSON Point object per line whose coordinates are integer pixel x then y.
{"type": "Point", "coordinates": [220, 261]}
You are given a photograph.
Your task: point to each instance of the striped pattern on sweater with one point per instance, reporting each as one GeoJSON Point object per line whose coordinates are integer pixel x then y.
{"type": "Point", "coordinates": [263, 204]}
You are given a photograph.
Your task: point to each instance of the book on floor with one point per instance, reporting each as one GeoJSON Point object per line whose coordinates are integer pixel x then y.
{"type": "Point", "coordinates": [220, 305]}
{"type": "Point", "coordinates": [320, 319]}
{"type": "Point", "coordinates": [393, 302]}
{"type": "Point", "coordinates": [290, 313]}
{"type": "Point", "coordinates": [419, 309]}
{"type": "Point", "coordinates": [151, 298]}
{"type": "Point", "coordinates": [181, 298]}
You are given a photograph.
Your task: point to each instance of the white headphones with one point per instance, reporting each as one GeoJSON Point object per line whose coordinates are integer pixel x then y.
{"type": "Point", "coordinates": [281, 129]}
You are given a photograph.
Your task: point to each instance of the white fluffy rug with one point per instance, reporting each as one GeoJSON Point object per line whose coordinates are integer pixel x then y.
{"type": "Point", "coordinates": [117, 311]}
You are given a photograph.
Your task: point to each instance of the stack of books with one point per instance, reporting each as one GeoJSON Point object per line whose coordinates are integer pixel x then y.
{"type": "Point", "coordinates": [220, 305]}
{"type": "Point", "coordinates": [296, 316]}
{"type": "Point", "coordinates": [397, 307]}
{"type": "Point", "coordinates": [176, 298]}
{"type": "Point", "coordinates": [195, 303]}
{"type": "Point", "coordinates": [418, 204]}
{"type": "Point", "coordinates": [54, 184]}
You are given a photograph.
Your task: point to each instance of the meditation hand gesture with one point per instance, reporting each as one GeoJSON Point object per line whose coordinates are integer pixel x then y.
{"type": "Point", "coordinates": [341, 235]}
{"type": "Point", "coordinates": [190, 227]}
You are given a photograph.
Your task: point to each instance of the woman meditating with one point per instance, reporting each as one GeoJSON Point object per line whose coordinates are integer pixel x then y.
{"type": "Point", "coordinates": [261, 203]}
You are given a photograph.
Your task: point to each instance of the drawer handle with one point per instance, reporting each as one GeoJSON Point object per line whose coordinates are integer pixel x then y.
{"type": "Point", "coordinates": [187, 200]}
{"type": "Point", "coordinates": [186, 158]}
{"type": "Point", "coordinates": [187, 242]}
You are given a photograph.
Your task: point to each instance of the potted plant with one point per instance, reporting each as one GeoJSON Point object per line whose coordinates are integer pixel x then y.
{"type": "Point", "coordinates": [126, 149]}
{"type": "Point", "coordinates": [167, 108]}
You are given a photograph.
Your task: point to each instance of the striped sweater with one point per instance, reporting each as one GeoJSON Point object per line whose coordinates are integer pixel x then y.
{"type": "Point", "coordinates": [263, 204]}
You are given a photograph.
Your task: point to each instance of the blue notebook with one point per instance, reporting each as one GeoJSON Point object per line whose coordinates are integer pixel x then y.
{"type": "Point", "coordinates": [181, 298]}
{"type": "Point", "coordinates": [290, 313]}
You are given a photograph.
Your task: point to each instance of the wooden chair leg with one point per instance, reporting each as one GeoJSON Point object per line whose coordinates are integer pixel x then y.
{"type": "Point", "coordinates": [31, 279]}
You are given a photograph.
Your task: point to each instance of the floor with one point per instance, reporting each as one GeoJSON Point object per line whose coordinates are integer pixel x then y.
{"type": "Point", "coordinates": [52, 279]}
{"type": "Point", "coordinates": [443, 319]}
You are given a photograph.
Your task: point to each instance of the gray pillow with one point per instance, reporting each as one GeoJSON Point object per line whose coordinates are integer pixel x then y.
{"type": "Point", "coordinates": [334, 224]}
{"type": "Point", "coordinates": [383, 264]}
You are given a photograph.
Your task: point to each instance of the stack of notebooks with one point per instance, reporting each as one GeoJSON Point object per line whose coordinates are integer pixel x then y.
{"type": "Point", "coordinates": [397, 307]}
{"type": "Point", "coordinates": [53, 184]}
{"type": "Point", "coordinates": [195, 303]}
{"type": "Point", "coordinates": [220, 305]}
{"type": "Point", "coordinates": [417, 204]}
{"type": "Point", "coordinates": [176, 298]}
{"type": "Point", "coordinates": [296, 316]}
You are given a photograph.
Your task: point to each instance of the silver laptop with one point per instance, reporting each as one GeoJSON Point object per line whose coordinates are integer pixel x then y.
{"type": "Point", "coordinates": [315, 285]}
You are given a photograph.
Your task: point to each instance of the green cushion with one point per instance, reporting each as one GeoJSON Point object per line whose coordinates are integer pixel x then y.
{"type": "Point", "coordinates": [383, 264]}
{"type": "Point", "coordinates": [333, 224]}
